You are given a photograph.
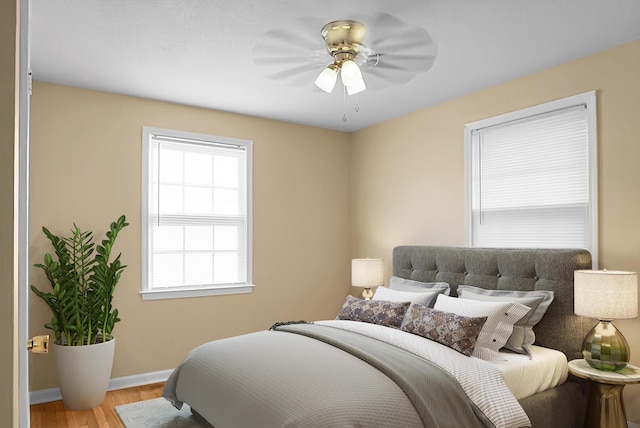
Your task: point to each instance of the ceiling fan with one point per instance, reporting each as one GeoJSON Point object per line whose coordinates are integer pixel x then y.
{"type": "Point", "coordinates": [366, 53]}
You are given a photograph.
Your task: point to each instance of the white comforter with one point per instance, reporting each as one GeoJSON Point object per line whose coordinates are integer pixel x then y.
{"type": "Point", "coordinates": [482, 382]}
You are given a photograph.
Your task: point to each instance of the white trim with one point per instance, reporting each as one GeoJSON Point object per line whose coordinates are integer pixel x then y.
{"type": "Point", "coordinates": [586, 98]}
{"type": "Point", "coordinates": [24, 420]}
{"type": "Point", "coordinates": [44, 396]}
{"type": "Point", "coordinates": [590, 99]}
{"type": "Point", "coordinates": [468, 180]}
{"type": "Point", "coordinates": [219, 289]}
{"type": "Point", "coordinates": [177, 293]}
{"type": "Point", "coordinates": [53, 394]}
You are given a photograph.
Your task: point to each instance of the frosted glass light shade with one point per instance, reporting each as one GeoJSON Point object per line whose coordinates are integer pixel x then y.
{"type": "Point", "coordinates": [352, 77]}
{"type": "Point", "coordinates": [327, 78]}
{"type": "Point", "coordinates": [606, 295]}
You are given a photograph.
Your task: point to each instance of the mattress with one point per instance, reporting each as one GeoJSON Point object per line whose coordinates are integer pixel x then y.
{"type": "Point", "coordinates": [546, 369]}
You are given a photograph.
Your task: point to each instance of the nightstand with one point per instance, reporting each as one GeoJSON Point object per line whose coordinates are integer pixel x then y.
{"type": "Point", "coordinates": [605, 408]}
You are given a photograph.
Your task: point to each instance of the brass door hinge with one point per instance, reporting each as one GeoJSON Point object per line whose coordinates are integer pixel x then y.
{"type": "Point", "coordinates": [39, 344]}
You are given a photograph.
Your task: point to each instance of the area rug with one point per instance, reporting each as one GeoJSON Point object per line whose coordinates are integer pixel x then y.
{"type": "Point", "coordinates": [156, 413]}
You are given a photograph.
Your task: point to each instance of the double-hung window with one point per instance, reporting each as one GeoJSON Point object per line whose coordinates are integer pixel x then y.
{"type": "Point", "coordinates": [196, 214]}
{"type": "Point", "coordinates": [531, 179]}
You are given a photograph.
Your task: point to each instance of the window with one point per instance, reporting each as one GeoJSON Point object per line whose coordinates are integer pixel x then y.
{"type": "Point", "coordinates": [196, 215]}
{"type": "Point", "coordinates": [531, 177]}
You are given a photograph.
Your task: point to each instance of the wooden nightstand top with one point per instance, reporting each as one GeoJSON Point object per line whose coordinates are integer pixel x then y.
{"type": "Point", "coordinates": [628, 375]}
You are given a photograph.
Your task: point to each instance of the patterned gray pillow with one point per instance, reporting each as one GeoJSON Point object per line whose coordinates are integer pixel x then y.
{"type": "Point", "coordinates": [382, 312]}
{"type": "Point", "coordinates": [455, 331]}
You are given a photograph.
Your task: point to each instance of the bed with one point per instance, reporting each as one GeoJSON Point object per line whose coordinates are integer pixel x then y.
{"type": "Point", "coordinates": [345, 373]}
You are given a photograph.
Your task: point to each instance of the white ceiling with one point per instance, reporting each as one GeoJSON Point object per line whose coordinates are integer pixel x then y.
{"type": "Point", "coordinates": [200, 52]}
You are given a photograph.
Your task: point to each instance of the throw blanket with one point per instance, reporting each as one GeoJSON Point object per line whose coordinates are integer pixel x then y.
{"type": "Point", "coordinates": [437, 397]}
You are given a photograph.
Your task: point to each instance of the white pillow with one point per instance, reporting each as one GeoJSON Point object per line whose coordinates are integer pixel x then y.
{"type": "Point", "coordinates": [403, 284]}
{"type": "Point", "coordinates": [501, 316]}
{"type": "Point", "coordinates": [425, 299]}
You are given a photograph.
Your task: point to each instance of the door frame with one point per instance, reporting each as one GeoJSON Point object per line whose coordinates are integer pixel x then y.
{"type": "Point", "coordinates": [23, 214]}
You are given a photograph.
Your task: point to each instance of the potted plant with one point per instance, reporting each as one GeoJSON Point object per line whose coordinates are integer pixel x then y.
{"type": "Point", "coordinates": [83, 280]}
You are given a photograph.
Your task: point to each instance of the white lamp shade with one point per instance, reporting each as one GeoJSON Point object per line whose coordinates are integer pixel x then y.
{"type": "Point", "coordinates": [367, 273]}
{"type": "Point", "coordinates": [327, 78]}
{"type": "Point", "coordinates": [606, 295]}
{"type": "Point", "coordinates": [352, 77]}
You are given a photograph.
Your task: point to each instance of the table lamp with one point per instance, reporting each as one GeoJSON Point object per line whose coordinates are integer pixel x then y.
{"type": "Point", "coordinates": [367, 273]}
{"type": "Point", "coordinates": [606, 295]}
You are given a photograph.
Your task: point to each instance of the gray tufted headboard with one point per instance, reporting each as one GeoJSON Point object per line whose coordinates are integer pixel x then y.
{"type": "Point", "coordinates": [508, 269]}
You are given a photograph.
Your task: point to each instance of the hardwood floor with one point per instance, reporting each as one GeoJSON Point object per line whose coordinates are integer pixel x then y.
{"type": "Point", "coordinates": [54, 415]}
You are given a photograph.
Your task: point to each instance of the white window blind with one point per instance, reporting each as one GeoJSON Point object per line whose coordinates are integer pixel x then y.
{"type": "Point", "coordinates": [532, 178]}
{"type": "Point", "coordinates": [197, 215]}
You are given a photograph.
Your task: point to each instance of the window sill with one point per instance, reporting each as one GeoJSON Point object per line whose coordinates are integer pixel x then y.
{"type": "Point", "coordinates": [180, 293]}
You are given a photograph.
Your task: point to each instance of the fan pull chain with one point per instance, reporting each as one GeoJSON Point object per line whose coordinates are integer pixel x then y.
{"type": "Point", "coordinates": [356, 108]}
{"type": "Point", "coordinates": [344, 104]}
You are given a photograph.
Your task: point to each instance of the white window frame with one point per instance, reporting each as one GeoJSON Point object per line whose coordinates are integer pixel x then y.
{"type": "Point", "coordinates": [588, 99]}
{"type": "Point", "coordinates": [147, 292]}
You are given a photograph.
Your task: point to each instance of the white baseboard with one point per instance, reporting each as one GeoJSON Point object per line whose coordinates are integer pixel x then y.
{"type": "Point", "coordinates": [53, 394]}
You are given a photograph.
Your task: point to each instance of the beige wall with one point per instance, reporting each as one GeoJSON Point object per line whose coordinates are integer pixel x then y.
{"type": "Point", "coordinates": [86, 168]}
{"type": "Point", "coordinates": [8, 259]}
{"type": "Point", "coordinates": [408, 174]}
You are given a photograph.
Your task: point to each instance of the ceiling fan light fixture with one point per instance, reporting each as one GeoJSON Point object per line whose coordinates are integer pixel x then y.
{"type": "Point", "coordinates": [327, 78]}
{"type": "Point", "coordinates": [352, 77]}
{"type": "Point", "coordinates": [396, 54]}
{"type": "Point", "coordinates": [356, 87]}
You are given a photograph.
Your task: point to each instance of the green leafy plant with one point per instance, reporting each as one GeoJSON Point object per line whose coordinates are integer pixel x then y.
{"type": "Point", "coordinates": [83, 280]}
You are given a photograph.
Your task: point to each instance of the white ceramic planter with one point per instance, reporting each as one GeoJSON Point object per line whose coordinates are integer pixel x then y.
{"type": "Point", "coordinates": [84, 373]}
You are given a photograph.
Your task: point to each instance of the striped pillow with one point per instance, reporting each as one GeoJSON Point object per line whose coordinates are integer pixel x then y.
{"type": "Point", "coordinates": [501, 316]}
{"type": "Point", "coordinates": [537, 300]}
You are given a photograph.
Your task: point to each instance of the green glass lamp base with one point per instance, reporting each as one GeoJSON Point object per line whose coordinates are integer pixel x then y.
{"type": "Point", "coordinates": [605, 348]}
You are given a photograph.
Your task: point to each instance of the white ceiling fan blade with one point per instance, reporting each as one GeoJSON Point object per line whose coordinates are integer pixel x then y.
{"type": "Point", "coordinates": [416, 38]}
{"type": "Point", "coordinates": [405, 55]}
{"type": "Point", "coordinates": [304, 68]}
{"type": "Point", "coordinates": [292, 53]}
{"type": "Point", "coordinates": [294, 36]}
{"type": "Point", "coordinates": [399, 71]}
{"type": "Point", "coordinates": [377, 78]}
{"type": "Point", "coordinates": [279, 60]}
{"type": "Point", "coordinates": [301, 75]}
{"type": "Point", "coordinates": [382, 26]}
{"type": "Point", "coordinates": [410, 63]}
{"type": "Point", "coordinates": [394, 66]}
